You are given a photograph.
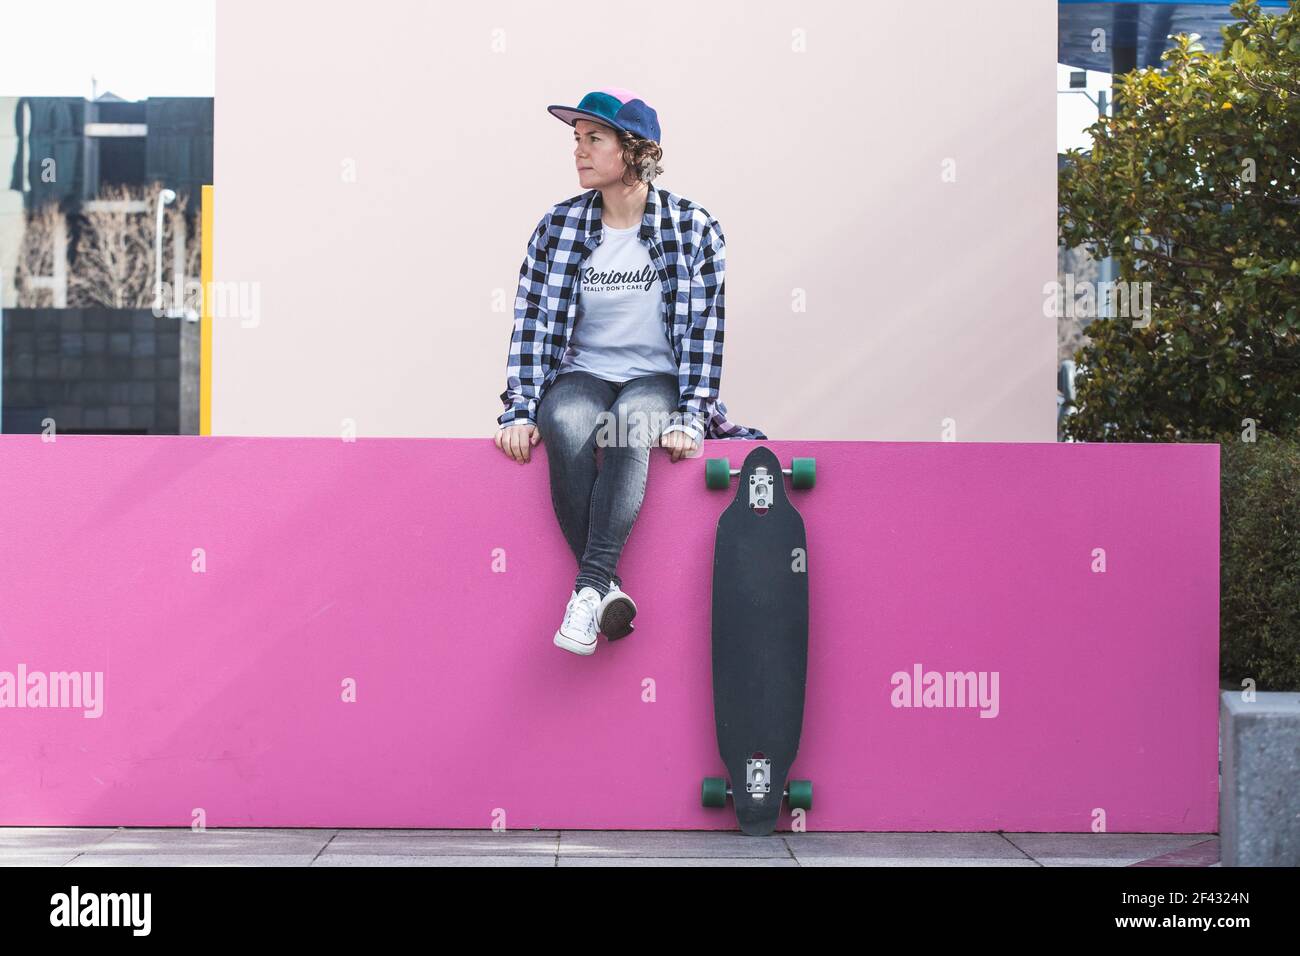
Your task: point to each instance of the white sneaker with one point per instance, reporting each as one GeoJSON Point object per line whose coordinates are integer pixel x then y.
{"type": "Point", "coordinates": [577, 632]}
{"type": "Point", "coordinates": [614, 616]}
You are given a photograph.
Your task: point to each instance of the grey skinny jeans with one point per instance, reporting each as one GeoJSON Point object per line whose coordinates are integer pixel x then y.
{"type": "Point", "coordinates": [578, 414]}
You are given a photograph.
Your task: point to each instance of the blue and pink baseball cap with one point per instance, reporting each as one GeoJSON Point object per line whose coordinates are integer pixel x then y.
{"type": "Point", "coordinates": [616, 107]}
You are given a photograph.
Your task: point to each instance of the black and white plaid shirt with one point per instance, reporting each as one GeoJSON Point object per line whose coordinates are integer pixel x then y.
{"type": "Point", "coordinates": [688, 251]}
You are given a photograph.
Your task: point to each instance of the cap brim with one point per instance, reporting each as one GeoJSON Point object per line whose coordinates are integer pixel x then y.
{"type": "Point", "coordinates": [569, 114]}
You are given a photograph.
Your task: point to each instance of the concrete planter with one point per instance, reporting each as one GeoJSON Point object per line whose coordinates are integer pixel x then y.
{"type": "Point", "coordinates": [1259, 797]}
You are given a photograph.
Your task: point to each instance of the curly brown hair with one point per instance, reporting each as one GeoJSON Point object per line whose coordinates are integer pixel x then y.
{"type": "Point", "coordinates": [641, 158]}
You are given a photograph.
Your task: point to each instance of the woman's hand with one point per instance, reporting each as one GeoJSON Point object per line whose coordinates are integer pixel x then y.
{"type": "Point", "coordinates": [679, 444]}
{"type": "Point", "coordinates": [517, 441]}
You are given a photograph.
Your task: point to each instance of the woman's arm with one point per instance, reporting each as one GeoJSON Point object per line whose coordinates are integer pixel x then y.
{"type": "Point", "coordinates": [526, 366]}
{"type": "Point", "coordinates": [700, 370]}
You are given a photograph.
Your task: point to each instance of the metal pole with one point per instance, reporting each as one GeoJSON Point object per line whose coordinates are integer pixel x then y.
{"type": "Point", "coordinates": [164, 198]}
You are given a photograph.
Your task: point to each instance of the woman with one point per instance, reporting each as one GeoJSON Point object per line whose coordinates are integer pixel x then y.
{"type": "Point", "coordinates": [617, 346]}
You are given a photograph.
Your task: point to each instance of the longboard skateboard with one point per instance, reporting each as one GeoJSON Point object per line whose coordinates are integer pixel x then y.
{"type": "Point", "coordinates": [760, 639]}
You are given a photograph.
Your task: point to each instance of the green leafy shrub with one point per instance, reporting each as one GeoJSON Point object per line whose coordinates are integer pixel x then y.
{"type": "Point", "coordinates": [1259, 570]}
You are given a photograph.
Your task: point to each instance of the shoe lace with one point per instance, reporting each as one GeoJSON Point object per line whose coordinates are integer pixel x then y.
{"type": "Point", "coordinates": [580, 613]}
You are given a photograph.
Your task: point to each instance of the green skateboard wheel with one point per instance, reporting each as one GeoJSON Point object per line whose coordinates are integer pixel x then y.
{"type": "Point", "coordinates": [714, 792]}
{"type": "Point", "coordinates": [717, 473]}
{"type": "Point", "coordinates": [803, 472]}
{"type": "Point", "coordinates": [799, 792]}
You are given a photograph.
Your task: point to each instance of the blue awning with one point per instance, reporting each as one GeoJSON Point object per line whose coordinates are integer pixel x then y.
{"type": "Point", "coordinates": [1136, 32]}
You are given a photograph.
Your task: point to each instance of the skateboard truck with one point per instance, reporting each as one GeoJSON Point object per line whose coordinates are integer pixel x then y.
{"type": "Point", "coordinates": [718, 474]}
{"type": "Point", "coordinates": [760, 489]}
{"type": "Point", "coordinates": [758, 774]}
{"type": "Point", "coordinates": [798, 793]}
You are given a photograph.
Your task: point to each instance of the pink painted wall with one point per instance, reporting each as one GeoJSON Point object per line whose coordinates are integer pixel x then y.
{"type": "Point", "coordinates": [372, 560]}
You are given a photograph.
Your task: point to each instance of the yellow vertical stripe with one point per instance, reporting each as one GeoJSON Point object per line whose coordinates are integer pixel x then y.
{"type": "Point", "coordinates": [205, 321]}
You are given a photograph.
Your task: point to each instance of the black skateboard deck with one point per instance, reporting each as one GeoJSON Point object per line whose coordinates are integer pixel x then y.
{"type": "Point", "coordinates": [760, 640]}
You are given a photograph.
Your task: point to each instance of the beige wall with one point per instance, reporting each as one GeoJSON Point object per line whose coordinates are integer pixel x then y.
{"type": "Point", "coordinates": [388, 300]}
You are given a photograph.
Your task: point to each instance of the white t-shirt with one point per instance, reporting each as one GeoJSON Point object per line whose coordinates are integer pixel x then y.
{"type": "Point", "coordinates": [618, 333]}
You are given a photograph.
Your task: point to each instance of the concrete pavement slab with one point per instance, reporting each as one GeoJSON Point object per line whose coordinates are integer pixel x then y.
{"type": "Point", "coordinates": [444, 843]}
{"type": "Point", "coordinates": [1116, 849]}
{"type": "Point", "coordinates": [910, 861]}
{"type": "Point", "coordinates": [431, 859]}
{"type": "Point", "coordinates": [911, 846]}
{"type": "Point", "coordinates": [660, 861]}
{"type": "Point", "coordinates": [672, 843]}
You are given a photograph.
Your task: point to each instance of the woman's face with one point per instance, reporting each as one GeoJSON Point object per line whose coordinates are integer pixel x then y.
{"type": "Point", "coordinates": [597, 154]}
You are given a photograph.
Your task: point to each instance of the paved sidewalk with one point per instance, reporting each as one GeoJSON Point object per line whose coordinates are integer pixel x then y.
{"type": "Point", "coordinates": [50, 846]}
